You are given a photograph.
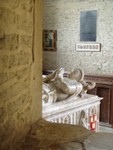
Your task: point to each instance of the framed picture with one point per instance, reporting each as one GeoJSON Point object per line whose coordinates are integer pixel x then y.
{"type": "Point", "coordinates": [88, 47]}
{"type": "Point", "coordinates": [49, 40]}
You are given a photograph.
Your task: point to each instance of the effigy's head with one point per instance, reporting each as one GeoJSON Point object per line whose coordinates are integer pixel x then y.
{"type": "Point", "coordinates": [76, 74]}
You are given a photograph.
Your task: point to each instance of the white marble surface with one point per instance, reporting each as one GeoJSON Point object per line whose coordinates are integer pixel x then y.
{"type": "Point", "coordinates": [76, 110]}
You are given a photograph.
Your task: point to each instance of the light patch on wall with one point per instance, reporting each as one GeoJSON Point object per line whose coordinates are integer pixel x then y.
{"type": "Point", "coordinates": [88, 21]}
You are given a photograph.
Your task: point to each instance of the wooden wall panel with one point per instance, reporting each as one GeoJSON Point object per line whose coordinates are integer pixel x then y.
{"type": "Point", "coordinates": [104, 88]}
{"type": "Point", "coordinates": [104, 107]}
{"type": "Point", "coordinates": [111, 108]}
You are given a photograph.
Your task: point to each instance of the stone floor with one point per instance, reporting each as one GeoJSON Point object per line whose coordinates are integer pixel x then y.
{"type": "Point", "coordinates": [51, 136]}
{"type": "Point", "coordinates": [105, 129]}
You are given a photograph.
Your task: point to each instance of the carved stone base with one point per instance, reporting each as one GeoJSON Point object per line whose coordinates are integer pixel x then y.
{"type": "Point", "coordinates": [77, 111]}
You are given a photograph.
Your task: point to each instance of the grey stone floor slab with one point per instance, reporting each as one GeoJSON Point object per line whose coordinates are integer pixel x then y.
{"type": "Point", "coordinates": [99, 141]}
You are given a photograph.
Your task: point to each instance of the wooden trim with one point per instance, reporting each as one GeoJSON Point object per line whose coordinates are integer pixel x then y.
{"type": "Point", "coordinates": [103, 79]}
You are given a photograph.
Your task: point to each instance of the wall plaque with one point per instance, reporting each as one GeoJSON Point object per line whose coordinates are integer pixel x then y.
{"type": "Point", "coordinates": [95, 47]}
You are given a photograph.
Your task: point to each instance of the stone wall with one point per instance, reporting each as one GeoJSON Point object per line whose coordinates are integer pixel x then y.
{"type": "Point", "coordinates": [20, 81]}
{"type": "Point", "coordinates": [64, 16]}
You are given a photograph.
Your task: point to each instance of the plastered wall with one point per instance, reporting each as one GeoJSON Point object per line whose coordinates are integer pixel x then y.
{"type": "Point", "coordinates": [20, 67]}
{"type": "Point", "coordinates": [64, 16]}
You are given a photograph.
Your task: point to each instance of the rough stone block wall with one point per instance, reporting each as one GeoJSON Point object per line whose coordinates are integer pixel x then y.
{"type": "Point", "coordinates": [64, 16]}
{"type": "Point", "coordinates": [16, 60]}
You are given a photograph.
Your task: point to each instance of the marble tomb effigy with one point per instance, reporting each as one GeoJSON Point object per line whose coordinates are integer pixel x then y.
{"type": "Point", "coordinates": [65, 100]}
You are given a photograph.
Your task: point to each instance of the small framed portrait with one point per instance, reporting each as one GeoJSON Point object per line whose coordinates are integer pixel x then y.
{"type": "Point", "coordinates": [49, 40]}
